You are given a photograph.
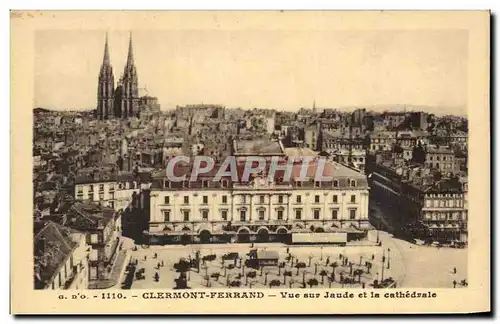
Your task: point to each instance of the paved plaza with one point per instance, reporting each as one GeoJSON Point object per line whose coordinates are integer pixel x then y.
{"type": "Point", "coordinates": [410, 265]}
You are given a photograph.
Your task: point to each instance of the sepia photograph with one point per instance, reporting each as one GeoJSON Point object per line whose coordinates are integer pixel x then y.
{"type": "Point", "coordinates": [240, 161]}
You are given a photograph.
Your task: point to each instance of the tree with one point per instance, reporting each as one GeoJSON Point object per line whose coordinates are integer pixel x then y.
{"type": "Point", "coordinates": [207, 278]}
{"type": "Point", "coordinates": [181, 283]}
{"type": "Point", "coordinates": [358, 272]}
{"type": "Point", "coordinates": [437, 176]}
{"type": "Point", "coordinates": [182, 266]}
{"type": "Point", "coordinates": [334, 265]}
{"type": "Point", "coordinates": [251, 274]}
{"type": "Point", "coordinates": [274, 283]}
{"type": "Point", "coordinates": [312, 282]}
{"type": "Point", "coordinates": [280, 266]}
{"type": "Point", "coordinates": [235, 283]}
{"type": "Point", "coordinates": [215, 275]}
{"type": "Point", "coordinates": [300, 265]}
{"type": "Point", "coordinates": [265, 278]}
{"type": "Point", "coordinates": [286, 273]}
{"type": "Point", "coordinates": [323, 273]}
{"type": "Point", "coordinates": [418, 154]}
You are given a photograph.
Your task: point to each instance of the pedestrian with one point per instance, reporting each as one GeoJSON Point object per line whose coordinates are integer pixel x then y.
{"type": "Point", "coordinates": [156, 255]}
{"type": "Point", "coordinates": [159, 265]}
{"type": "Point", "coordinates": [287, 250]}
{"type": "Point", "coordinates": [162, 264]}
{"type": "Point", "coordinates": [454, 283]}
{"type": "Point", "coordinates": [455, 270]}
{"type": "Point", "coordinates": [373, 256]}
{"type": "Point", "coordinates": [327, 261]}
{"type": "Point", "coordinates": [145, 257]}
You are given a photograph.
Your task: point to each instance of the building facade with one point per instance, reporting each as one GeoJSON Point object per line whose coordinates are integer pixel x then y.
{"type": "Point", "coordinates": [113, 190]}
{"type": "Point", "coordinates": [259, 210]}
{"type": "Point", "coordinates": [420, 205]}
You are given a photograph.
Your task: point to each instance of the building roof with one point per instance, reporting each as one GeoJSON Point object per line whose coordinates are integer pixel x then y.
{"type": "Point", "coordinates": [341, 174]}
{"type": "Point", "coordinates": [299, 151]}
{"type": "Point", "coordinates": [52, 247]}
{"type": "Point", "coordinates": [88, 217]}
{"type": "Point", "coordinates": [446, 185]}
{"type": "Point", "coordinates": [257, 147]}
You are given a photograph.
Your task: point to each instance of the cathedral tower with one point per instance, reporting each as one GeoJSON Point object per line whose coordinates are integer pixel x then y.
{"type": "Point", "coordinates": [105, 87]}
{"type": "Point", "coordinates": [129, 105]}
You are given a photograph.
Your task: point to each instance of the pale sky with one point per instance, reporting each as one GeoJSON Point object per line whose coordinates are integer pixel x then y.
{"type": "Point", "coordinates": [275, 69]}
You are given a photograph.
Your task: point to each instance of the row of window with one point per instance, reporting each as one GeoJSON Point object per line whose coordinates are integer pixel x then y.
{"type": "Point", "coordinates": [261, 199]}
{"type": "Point", "coordinates": [443, 216]}
{"type": "Point", "coordinates": [436, 165]}
{"type": "Point", "coordinates": [261, 214]}
{"type": "Point", "coordinates": [131, 185]}
{"type": "Point", "coordinates": [448, 195]}
{"type": "Point", "coordinates": [79, 196]}
{"type": "Point", "coordinates": [225, 183]}
{"type": "Point", "coordinates": [444, 203]}
{"type": "Point", "coordinates": [437, 158]}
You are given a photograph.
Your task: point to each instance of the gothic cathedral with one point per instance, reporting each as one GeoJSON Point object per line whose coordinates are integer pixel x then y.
{"type": "Point", "coordinates": [122, 102]}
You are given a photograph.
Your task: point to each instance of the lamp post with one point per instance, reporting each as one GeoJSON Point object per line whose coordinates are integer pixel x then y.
{"type": "Point", "coordinates": [388, 258]}
{"type": "Point", "coordinates": [382, 271]}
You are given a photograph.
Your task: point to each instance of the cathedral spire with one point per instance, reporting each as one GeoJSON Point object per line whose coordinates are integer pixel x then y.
{"type": "Point", "coordinates": [130, 58]}
{"type": "Point", "coordinates": [105, 61]}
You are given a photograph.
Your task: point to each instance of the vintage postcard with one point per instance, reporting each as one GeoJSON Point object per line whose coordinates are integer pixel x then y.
{"type": "Point", "coordinates": [258, 162]}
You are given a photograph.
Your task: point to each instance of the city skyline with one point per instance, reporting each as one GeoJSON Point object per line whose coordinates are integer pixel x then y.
{"type": "Point", "coordinates": [195, 66]}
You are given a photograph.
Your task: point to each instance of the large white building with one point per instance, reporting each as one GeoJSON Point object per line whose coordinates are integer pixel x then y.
{"type": "Point", "coordinates": [261, 209]}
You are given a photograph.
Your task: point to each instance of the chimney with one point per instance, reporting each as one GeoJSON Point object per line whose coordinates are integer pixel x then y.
{"type": "Point", "coordinates": [41, 245]}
